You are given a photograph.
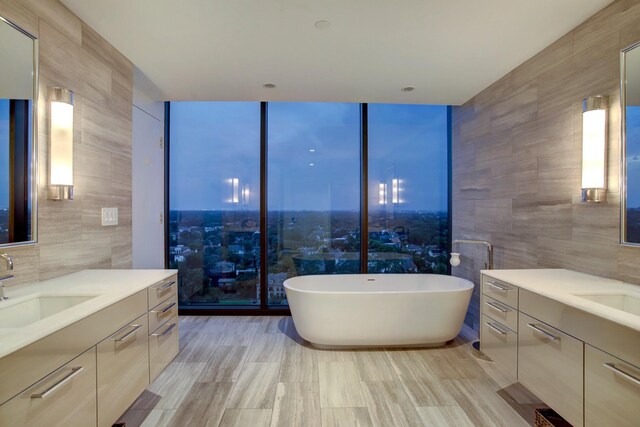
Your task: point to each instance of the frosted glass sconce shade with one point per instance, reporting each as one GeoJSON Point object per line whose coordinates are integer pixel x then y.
{"type": "Point", "coordinates": [594, 149]}
{"type": "Point", "coordinates": [60, 143]}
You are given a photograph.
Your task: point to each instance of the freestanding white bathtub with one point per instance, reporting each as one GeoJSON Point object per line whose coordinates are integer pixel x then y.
{"type": "Point", "coordinates": [378, 310]}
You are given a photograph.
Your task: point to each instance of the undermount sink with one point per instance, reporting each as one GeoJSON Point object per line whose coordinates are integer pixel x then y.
{"type": "Point", "coordinates": [620, 301]}
{"type": "Point", "coordinates": [38, 308]}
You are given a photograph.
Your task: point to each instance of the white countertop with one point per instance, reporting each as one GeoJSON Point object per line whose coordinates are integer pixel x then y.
{"type": "Point", "coordinates": [561, 285]}
{"type": "Point", "coordinates": [108, 286]}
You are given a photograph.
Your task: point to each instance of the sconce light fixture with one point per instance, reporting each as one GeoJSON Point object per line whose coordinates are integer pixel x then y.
{"type": "Point", "coordinates": [382, 193]}
{"type": "Point", "coordinates": [60, 144]}
{"type": "Point", "coordinates": [395, 191]}
{"type": "Point", "coordinates": [594, 149]}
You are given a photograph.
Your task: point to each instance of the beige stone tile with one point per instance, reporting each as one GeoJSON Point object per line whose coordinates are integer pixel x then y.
{"type": "Point", "coordinates": [297, 404]}
{"type": "Point", "coordinates": [346, 417]}
{"type": "Point", "coordinates": [174, 383]}
{"type": "Point", "coordinates": [225, 364]}
{"type": "Point", "coordinates": [266, 348]}
{"type": "Point", "coordinates": [422, 387]}
{"type": "Point", "coordinates": [158, 418]}
{"type": "Point", "coordinates": [395, 415]}
{"type": "Point", "coordinates": [299, 364]}
{"type": "Point", "coordinates": [245, 418]}
{"type": "Point", "coordinates": [204, 403]}
{"type": "Point", "coordinates": [444, 416]}
{"type": "Point", "coordinates": [373, 365]}
{"type": "Point", "coordinates": [339, 385]}
{"type": "Point", "coordinates": [256, 386]}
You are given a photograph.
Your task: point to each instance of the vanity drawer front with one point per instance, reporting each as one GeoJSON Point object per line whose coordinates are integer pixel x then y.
{"type": "Point", "coordinates": [550, 364]}
{"type": "Point", "coordinates": [501, 345]}
{"type": "Point", "coordinates": [66, 397]}
{"type": "Point", "coordinates": [159, 315]}
{"type": "Point", "coordinates": [163, 347]}
{"type": "Point", "coordinates": [162, 291]}
{"type": "Point", "coordinates": [501, 312]}
{"type": "Point", "coordinates": [122, 370]}
{"type": "Point", "coordinates": [611, 397]}
{"type": "Point", "coordinates": [501, 291]}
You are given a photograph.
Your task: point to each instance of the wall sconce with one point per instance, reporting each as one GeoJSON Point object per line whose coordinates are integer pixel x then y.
{"type": "Point", "coordinates": [395, 191]}
{"type": "Point", "coordinates": [594, 149]}
{"type": "Point", "coordinates": [382, 193]}
{"type": "Point", "coordinates": [60, 144]}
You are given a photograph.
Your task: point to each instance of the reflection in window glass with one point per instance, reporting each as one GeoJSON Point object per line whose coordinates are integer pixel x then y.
{"type": "Point", "coordinates": [408, 196]}
{"type": "Point", "coordinates": [632, 118]}
{"type": "Point", "coordinates": [214, 228]}
{"type": "Point", "coordinates": [313, 191]}
{"type": "Point", "coordinates": [4, 170]}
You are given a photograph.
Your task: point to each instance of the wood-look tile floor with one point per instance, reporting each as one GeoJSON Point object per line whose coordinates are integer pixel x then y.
{"type": "Point", "coordinates": [257, 371]}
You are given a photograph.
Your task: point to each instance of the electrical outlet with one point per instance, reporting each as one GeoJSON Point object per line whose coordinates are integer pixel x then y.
{"type": "Point", "coordinates": [109, 216]}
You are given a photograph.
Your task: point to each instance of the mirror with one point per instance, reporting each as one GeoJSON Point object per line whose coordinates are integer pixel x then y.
{"type": "Point", "coordinates": [18, 89]}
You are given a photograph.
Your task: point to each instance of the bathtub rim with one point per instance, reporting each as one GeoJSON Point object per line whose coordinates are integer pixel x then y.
{"type": "Point", "coordinates": [469, 285]}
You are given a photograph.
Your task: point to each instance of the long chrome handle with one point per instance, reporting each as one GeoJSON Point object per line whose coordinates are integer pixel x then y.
{"type": "Point", "coordinates": [543, 332]}
{"type": "Point", "coordinates": [496, 307]}
{"type": "Point", "coordinates": [165, 332]}
{"type": "Point", "coordinates": [165, 286]}
{"type": "Point", "coordinates": [74, 371]}
{"type": "Point", "coordinates": [497, 286]}
{"type": "Point", "coordinates": [495, 328]}
{"type": "Point", "coordinates": [164, 310]}
{"type": "Point", "coordinates": [128, 334]}
{"type": "Point", "coordinates": [620, 372]}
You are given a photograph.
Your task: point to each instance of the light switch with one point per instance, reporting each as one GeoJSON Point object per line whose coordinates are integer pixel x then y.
{"type": "Point", "coordinates": [109, 216]}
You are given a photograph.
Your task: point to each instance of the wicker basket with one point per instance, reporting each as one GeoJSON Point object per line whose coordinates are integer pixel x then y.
{"type": "Point", "coordinates": [547, 417]}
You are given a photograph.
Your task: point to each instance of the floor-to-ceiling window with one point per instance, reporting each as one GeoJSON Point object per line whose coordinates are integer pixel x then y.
{"type": "Point", "coordinates": [327, 172]}
{"type": "Point", "coordinates": [214, 215]}
{"type": "Point", "coordinates": [408, 182]}
{"type": "Point", "coordinates": [4, 170]}
{"type": "Point", "coordinates": [313, 191]}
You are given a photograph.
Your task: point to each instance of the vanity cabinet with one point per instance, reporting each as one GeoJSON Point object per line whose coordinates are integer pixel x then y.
{"type": "Point", "coordinates": [66, 397]}
{"type": "Point", "coordinates": [550, 365]}
{"type": "Point", "coordinates": [611, 390]}
{"type": "Point", "coordinates": [499, 326]}
{"type": "Point", "coordinates": [122, 361]}
{"type": "Point", "coordinates": [88, 373]}
{"type": "Point", "coordinates": [163, 325]}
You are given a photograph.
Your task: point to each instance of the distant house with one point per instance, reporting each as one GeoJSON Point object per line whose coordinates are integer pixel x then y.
{"type": "Point", "coordinates": [275, 287]}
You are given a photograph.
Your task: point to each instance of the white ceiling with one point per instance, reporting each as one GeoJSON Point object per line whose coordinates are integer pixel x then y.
{"type": "Point", "coordinates": [449, 50]}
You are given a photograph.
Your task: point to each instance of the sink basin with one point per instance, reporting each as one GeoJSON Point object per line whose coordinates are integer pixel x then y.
{"type": "Point", "coordinates": [620, 301]}
{"type": "Point", "coordinates": [34, 309]}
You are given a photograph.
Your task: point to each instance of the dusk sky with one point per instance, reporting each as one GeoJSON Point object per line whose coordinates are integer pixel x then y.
{"type": "Point", "coordinates": [633, 156]}
{"type": "Point", "coordinates": [313, 157]}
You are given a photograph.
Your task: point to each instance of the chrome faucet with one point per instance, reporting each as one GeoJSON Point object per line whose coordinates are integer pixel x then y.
{"type": "Point", "coordinates": [455, 257]}
{"type": "Point", "coordinates": [9, 261]}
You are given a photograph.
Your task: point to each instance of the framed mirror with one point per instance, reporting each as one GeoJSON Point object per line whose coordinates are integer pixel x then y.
{"type": "Point", "coordinates": [630, 140]}
{"type": "Point", "coordinates": [18, 95]}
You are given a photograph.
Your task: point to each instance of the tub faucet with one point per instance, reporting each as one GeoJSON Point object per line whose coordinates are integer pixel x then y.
{"type": "Point", "coordinates": [9, 261]}
{"type": "Point", "coordinates": [455, 256]}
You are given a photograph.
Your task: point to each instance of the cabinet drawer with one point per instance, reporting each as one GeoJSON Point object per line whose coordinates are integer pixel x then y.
{"type": "Point", "coordinates": [162, 290]}
{"type": "Point", "coordinates": [612, 390]}
{"type": "Point", "coordinates": [122, 370]}
{"type": "Point", "coordinates": [159, 315]}
{"type": "Point", "coordinates": [501, 345]}
{"type": "Point", "coordinates": [501, 312]}
{"type": "Point", "coordinates": [501, 291]}
{"type": "Point", "coordinates": [163, 347]}
{"type": "Point", "coordinates": [66, 397]}
{"type": "Point", "coordinates": [550, 364]}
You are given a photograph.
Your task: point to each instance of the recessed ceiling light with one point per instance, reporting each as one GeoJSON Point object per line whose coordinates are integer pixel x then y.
{"type": "Point", "coordinates": [312, 150]}
{"type": "Point", "coordinates": [269, 85]}
{"type": "Point", "coordinates": [408, 89]}
{"type": "Point", "coordinates": [310, 164]}
{"type": "Point", "coordinates": [322, 25]}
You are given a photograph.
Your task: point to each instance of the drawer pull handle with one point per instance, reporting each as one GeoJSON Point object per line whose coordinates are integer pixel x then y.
{"type": "Point", "coordinates": [620, 372]}
{"type": "Point", "coordinates": [165, 286]}
{"type": "Point", "coordinates": [495, 328]}
{"type": "Point", "coordinates": [128, 334]}
{"type": "Point", "coordinates": [166, 331]}
{"type": "Point", "coordinates": [74, 371]}
{"type": "Point", "coordinates": [164, 310]}
{"type": "Point", "coordinates": [497, 286]}
{"type": "Point", "coordinates": [543, 332]}
{"type": "Point", "coordinates": [496, 307]}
